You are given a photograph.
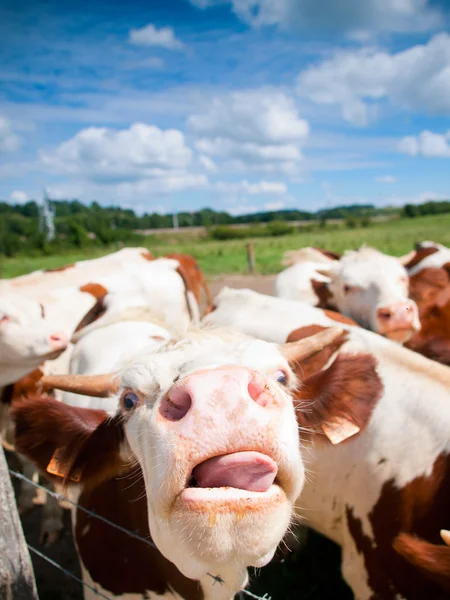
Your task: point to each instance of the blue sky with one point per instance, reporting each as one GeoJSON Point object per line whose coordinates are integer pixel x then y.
{"type": "Point", "coordinates": [241, 105]}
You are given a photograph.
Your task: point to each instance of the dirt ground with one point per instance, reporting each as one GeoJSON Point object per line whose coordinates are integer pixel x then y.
{"type": "Point", "coordinates": [310, 573]}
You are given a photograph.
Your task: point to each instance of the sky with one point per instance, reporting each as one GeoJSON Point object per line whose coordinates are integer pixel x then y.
{"type": "Point", "coordinates": [239, 105]}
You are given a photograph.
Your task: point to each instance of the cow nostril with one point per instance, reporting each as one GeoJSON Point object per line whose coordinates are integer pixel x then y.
{"type": "Point", "coordinates": [176, 404]}
{"type": "Point", "coordinates": [384, 313]}
{"type": "Point", "coordinates": [256, 388]}
{"type": "Point", "coordinates": [58, 339]}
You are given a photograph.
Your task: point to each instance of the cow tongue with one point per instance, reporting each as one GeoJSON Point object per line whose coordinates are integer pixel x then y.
{"type": "Point", "coordinates": [251, 471]}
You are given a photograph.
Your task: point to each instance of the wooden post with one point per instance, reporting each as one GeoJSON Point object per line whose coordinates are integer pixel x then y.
{"type": "Point", "coordinates": [16, 571]}
{"type": "Point", "coordinates": [251, 257]}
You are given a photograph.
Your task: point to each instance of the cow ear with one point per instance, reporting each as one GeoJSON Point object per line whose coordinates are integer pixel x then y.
{"type": "Point", "coordinates": [338, 400]}
{"type": "Point", "coordinates": [67, 443]}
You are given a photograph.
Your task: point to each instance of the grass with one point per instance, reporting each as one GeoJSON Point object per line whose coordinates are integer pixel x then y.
{"type": "Point", "coordinates": [394, 237]}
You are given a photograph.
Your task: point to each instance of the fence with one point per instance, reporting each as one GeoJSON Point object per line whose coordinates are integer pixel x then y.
{"type": "Point", "coordinates": [16, 571]}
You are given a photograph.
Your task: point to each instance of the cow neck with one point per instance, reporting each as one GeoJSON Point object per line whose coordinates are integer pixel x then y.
{"type": "Point", "coordinates": [123, 501]}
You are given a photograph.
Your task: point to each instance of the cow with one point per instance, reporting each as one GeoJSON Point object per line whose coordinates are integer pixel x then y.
{"type": "Point", "coordinates": [383, 493]}
{"type": "Point", "coordinates": [203, 437]}
{"type": "Point", "coordinates": [371, 288]}
{"type": "Point", "coordinates": [27, 340]}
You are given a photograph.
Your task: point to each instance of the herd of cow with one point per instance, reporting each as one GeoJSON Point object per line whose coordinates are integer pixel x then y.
{"type": "Point", "coordinates": [326, 404]}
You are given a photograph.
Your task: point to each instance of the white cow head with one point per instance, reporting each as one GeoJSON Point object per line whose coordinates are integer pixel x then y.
{"type": "Point", "coordinates": [372, 288]}
{"type": "Point", "coordinates": [211, 421]}
{"type": "Point", "coordinates": [26, 338]}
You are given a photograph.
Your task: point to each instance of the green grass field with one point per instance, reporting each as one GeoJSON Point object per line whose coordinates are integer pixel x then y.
{"type": "Point", "coordinates": [394, 237]}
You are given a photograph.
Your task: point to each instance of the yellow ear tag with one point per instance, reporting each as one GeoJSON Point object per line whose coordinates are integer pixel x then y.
{"type": "Point", "coordinates": [339, 430]}
{"type": "Point", "coordinates": [57, 467]}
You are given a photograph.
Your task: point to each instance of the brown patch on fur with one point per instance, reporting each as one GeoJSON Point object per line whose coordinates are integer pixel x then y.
{"type": "Point", "coordinates": [407, 555]}
{"type": "Point", "coordinates": [337, 316]}
{"type": "Point", "coordinates": [329, 253]}
{"type": "Point", "coordinates": [147, 255]}
{"type": "Point", "coordinates": [90, 441]}
{"type": "Point", "coordinates": [138, 568]}
{"type": "Point", "coordinates": [95, 289]}
{"type": "Point", "coordinates": [348, 389]}
{"type": "Point", "coordinates": [194, 276]}
{"type": "Point", "coordinates": [59, 269]}
{"type": "Point", "coordinates": [323, 293]}
{"type": "Point", "coordinates": [430, 288]}
{"type": "Point", "coordinates": [98, 310]}
{"type": "Point", "coordinates": [420, 255]}
{"type": "Point", "coordinates": [432, 559]}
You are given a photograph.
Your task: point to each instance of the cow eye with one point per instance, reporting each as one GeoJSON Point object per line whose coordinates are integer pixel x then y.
{"type": "Point", "coordinates": [347, 289]}
{"type": "Point", "coordinates": [281, 377]}
{"type": "Point", "coordinates": [4, 319]}
{"type": "Point", "coordinates": [130, 401]}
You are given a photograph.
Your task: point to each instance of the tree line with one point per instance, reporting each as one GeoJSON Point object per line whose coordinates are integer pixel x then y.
{"type": "Point", "coordinates": [79, 225]}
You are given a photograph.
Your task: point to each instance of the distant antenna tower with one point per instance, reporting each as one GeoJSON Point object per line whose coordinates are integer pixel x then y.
{"type": "Point", "coordinates": [46, 218]}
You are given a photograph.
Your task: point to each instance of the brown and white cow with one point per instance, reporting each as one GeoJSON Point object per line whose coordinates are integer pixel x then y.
{"type": "Point", "coordinates": [430, 289]}
{"type": "Point", "coordinates": [208, 421]}
{"type": "Point", "coordinates": [384, 494]}
{"type": "Point", "coordinates": [369, 287]}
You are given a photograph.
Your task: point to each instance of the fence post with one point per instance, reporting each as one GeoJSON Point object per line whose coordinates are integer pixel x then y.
{"type": "Point", "coordinates": [16, 571]}
{"type": "Point", "coordinates": [251, 257]}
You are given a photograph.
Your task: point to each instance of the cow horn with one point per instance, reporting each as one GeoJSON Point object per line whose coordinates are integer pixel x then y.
{"type": "Point", "coordinates": [302, 349]}
{"type": "Point", "coordinates": [445, 535]}
{"type": "Point", "coordinates": [100, 386]}
{"type": "Point", "coordinates": [406, 258]}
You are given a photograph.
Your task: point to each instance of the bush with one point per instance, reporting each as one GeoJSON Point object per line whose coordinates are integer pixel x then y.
{"type": "Point", "coordinates": [275, 228]}
{"type": "Point", "coordinates": [279, 228]}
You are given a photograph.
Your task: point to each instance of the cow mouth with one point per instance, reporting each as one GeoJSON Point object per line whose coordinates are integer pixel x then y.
{"type": "Point", "coordinates": [233, 478]}
{"type": "Point", "coordinates": [401, 336]}
{"type": "Point", "coordinates": [248, 471]}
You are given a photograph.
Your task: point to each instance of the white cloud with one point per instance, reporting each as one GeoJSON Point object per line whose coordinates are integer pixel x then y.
{"type": "Point", "coordinates": [351, 16]}
{"type": "Point", "coordinates": [417, 79]}
{"type": "Point", "coordinates": [386, 179]}
{"type": "Point", "coordinates": [19, 196]}
{"type": "Point", "coordinates": [427, 143]}
{"type": "Point", "coordinates": [151, 36]}
{"type": "Point", "coordinates": [260, 187]}
{"type": "Point", "coordinates": [257, 129]}
{"type": "Point", "coordinates": [142, 159]}
{"type": "Point", "coordinates": [207, 163]}
{"type": "Point", "coordinates": [9, 140]}
{"type": "Point", "coordinates": [105, 155]}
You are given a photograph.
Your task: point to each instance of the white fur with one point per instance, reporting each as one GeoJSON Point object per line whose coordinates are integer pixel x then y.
{"type": "Point", "coordinates": [265, 317]}
{"type": "Point", "coordinates": [295, 282]}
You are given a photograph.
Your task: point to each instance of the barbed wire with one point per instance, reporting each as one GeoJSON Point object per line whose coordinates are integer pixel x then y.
{"type": "Point", "coordinates": [93, 514]}
{"type": "Point", "coordinates": [66, 571]}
